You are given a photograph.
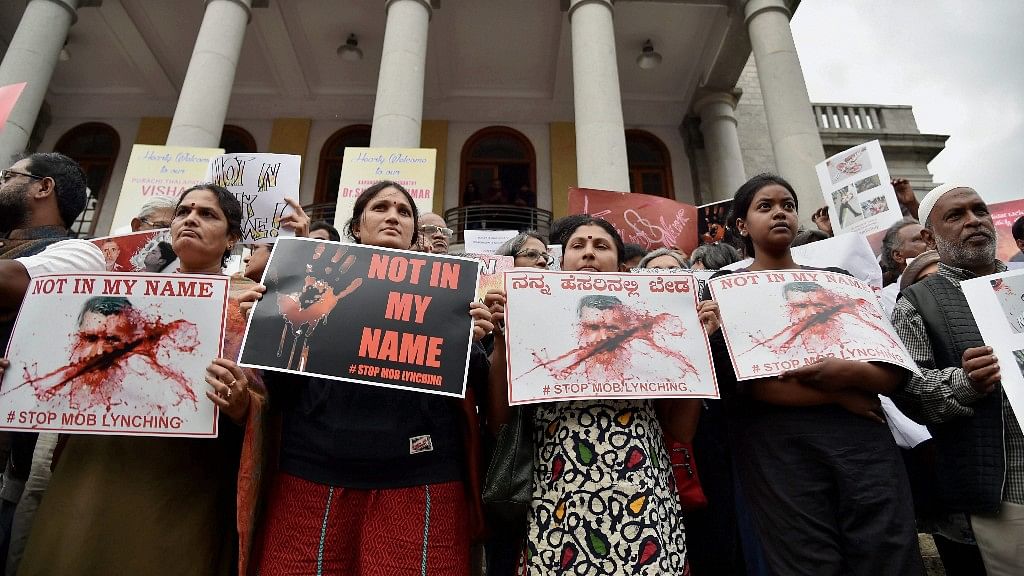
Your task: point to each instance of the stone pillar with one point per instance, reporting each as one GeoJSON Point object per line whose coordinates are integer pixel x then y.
{"type": "Point", "coordinates": [31, 58]}
{"type": "Point", "coordinates": [791, 125]}
{"type": "Point", "coordinates": [398, 109]}
{"type": "Point", "coordinates": [206, 92]}
{"type": "Point", "coordinates": [722, 143]}
{"type": "Point", "coordinates": [600, 134]}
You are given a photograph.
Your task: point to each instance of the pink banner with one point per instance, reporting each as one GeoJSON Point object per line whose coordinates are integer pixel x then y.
{"type": "Point", "coordinates": [649, 221]}
{"type": "Point", "coordinates": [8, 98]}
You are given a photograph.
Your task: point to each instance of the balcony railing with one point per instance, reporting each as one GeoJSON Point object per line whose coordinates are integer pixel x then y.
{"type": "Point", "coordinates": [477, 217]}
{"type": "Point", "coordinates": [848, 117]}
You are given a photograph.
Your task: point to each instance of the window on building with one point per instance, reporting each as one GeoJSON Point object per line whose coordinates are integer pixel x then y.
{"type": "Point", "coordinates": [94, 146]}
{"type": "Point", "coordinates": [328, 176]}
{"type": "Point", "coordinates": [235, 139]}
{"type": "Point", "coordinates": [498, 167]}
{"type": "Point", "coordinates": [650, 167]}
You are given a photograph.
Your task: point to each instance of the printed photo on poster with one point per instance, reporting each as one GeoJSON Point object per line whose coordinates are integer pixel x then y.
{"type": "Point", "coordinates": [572, 336]}
{"type": "Point", "coordinates": [650, 221]}
{"type": "Point", "coordinates": [785, 319]}
{"type": "Point", "coordinates": [858, 190]}
{"type": "Point", "coordinates": [996, 305]}
{"type": "Point", "coordinates": [492, 272]}
{"type": "Point", "coordinates": [148, 251]}
{"type": "Point", "coordinates": [122, 354]}
{"type": "Point", "coordinates": [712, 223]}
{"type": "Point", "coordinates": [261, 182]}
{"type": "Point", "coordinates": [363, 314]}
{"type": "Point", "coordinates": [1004, 216]}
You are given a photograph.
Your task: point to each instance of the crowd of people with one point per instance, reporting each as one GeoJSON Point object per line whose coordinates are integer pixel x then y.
{"type": "Point", "coordinates": [807, 473]}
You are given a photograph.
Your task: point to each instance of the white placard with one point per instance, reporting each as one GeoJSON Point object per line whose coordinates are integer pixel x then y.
{"type": "Point", "coordinates": [858, 190]}
{"type": "Point", "coordinates": [486, 241]}
{"type": "Point", "coordinates": [572, 336]}
{"type": "Point", "coordinates": [785, 319]}
{"type": "Point", "coordinates": [261, 182]}
{"type": "Point", "coordinates": [851, 252]}
{"type": "Point", "coordinates": [997, 303]}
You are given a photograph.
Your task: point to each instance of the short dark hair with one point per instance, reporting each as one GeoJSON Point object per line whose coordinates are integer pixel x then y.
{"type": "Point", "coordinates": [808, 236]}
{"type": "Point", "coordinates": [715, 256]}
{"type": "Point", "coordinates": [105, 305]}
{"type": "Point", "coordinates": [229, 205]}
{"type": "Point", "coordinates": [744, 197]}
{"type": "Point", "coordinates": [369, 194]}
{"type": "Point", "coordinates": [588, 220]}
{"type": "Point", "coordinates": [632, 251]}
{"type": "Point", "coordinates": [166, 252]}
{"type": "Point", "coordinates": [1018, 229]}
{"type": "Point", "coordinates": [803, 287]}
{"type": "Point", "coordinates": [69, 182]}
{"type": "Point", "coordinates": [598, 302]}
{"type": "Point", "coordinates": [332, 232]}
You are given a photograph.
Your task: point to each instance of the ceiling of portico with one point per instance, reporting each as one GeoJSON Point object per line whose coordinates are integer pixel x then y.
{"type": "Point", "coordinates": [487, 61]}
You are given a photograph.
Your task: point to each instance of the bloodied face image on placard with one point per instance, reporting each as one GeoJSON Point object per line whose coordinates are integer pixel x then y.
{"type": "Point", "coordinates": [571, 336]}
{"type": "Point", "coordinates": [363, 314]}
{"type": "Point", "coordinates": [778, 321]}
{"type": "Point", "coordinates": [148, 251]}
{"type": "Point", "coordinates": [115, 354]}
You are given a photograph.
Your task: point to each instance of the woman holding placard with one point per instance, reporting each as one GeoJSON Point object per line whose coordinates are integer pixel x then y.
{"type": "Point", "coordinates": [604, 497]}
{"type": "Point", "coordinates": [816, 461]}
{"type": "Point", "coordinates": [371, 480]}
{"type": "Point", "coordinates": [152, 505]}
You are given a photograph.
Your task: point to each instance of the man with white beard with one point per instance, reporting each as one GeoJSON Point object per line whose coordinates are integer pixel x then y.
{"type": "Point", "coordinates": [980, 447]}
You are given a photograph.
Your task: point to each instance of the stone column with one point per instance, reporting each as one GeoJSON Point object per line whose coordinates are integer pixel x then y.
{"type": "Point", "coordinates": [791, 125]}
{"type": "Point", "coordinates": [206, 92]}
{"type": "Point", "coordinates": [600, 134]}
{"type": "Point", "coordinates": [31, 58]}
{"type": "Point", "coordinates": [722, 143]}
{"type": "Point", "coordinates": [398, 109]}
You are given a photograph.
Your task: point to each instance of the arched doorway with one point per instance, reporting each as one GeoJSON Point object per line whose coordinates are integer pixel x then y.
{"type": "Point", "coordinates": [650, 166]}
{"type": "Point", "coordinates": [235, 139]}
{"type": "Point", "coordinates": [332, 154]}
{"type": "Point", "coordinates": [94, 146]}
{"type": "Point", "coordinates": [499, 166]}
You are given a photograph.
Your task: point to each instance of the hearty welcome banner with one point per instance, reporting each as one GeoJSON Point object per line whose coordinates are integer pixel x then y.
{"type": "Point", "coordinates": [362, 314]}
{"type": "Point", "coordinates": [413, 168]}
{"type": "Point", "coordinates": [159, 171]}
{"type": "Point", "coordinates": [573, 336]}
{"type": "Point", "coordinates": [782, 320]}
{"type": "Point", "coordinates": [121, 354]}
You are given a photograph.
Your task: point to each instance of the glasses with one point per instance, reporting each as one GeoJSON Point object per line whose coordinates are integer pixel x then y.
{"type": "Point", "coordinates": [7, 174]}
{"type": "Point", "coordinates": [537, 255]}
{"type": "Point", "coordinates": [155, 223]}
{"type": "Point", "coordinates": [430, 229]}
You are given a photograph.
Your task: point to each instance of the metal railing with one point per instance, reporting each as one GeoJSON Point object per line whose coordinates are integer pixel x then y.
{"type": "Point", "coordinates": [476, 217]}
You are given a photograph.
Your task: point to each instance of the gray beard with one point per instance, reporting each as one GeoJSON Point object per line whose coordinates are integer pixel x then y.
{"type": "Point", "coordinates": [966, 257]}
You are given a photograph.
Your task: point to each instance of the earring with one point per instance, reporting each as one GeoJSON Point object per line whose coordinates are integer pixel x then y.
{"type": "Point", "coordinates": [743, 232]}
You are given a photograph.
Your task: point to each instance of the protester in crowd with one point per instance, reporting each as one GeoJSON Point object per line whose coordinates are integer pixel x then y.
{"type": "Point", "coordinates": [634, 252]}
{"type": "Point", "coordinates": [155, 214]}
{"type": "Point", "coordinates": [714, 256]}
{"type": "Point", "coordinates": [151, 505]}
{"type": "Point", "coordinates": [1018, 237]}
{"type": "Point", "coordinates": [822, 220]}
{"type": "Point", "coordinates": [41, 196]}
{"type": "Point", "coordinates": [529, 249]}
{"type": "Point", "coordinates": [906, 197]}
{"type": "Point", "coordinates": [323, 231]}
{"type": "Point", "coordinates": [902, 241]}
{"type": "Point", "coordinates": [663, 259]}
{"type": "Point", "coordinates": [808, 236]}
{"type": "Point", "coordinates": [353, 495]}
{"type": "Point", "coordinates": [582, 475]}
{"type": "Point", "coordinates": [816, 462]}
{"type": "Point", "coordinates": [434, 234]}
{"type": "Point", "coordinates": [979, 444]}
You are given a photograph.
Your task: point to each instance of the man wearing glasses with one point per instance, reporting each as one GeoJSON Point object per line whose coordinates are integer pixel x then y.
{"type": "Point", "coordinates": [41, 196]}
{"type": "Point", "coordinates": [155, 214]}
{"type": "Point", "coordinates": [434, 235]}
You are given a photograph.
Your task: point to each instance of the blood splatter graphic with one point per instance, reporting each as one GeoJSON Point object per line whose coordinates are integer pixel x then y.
{"type": "Point", "coordinates": [108, 375]}
{"type": "Point", "coordinates": [821, 324]}
{"type": "Point", "coordinates": [630, 339]}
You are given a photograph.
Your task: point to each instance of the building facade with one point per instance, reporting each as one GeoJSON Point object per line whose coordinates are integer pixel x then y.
{"type": "Point", "coordinates": [682, 99]}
